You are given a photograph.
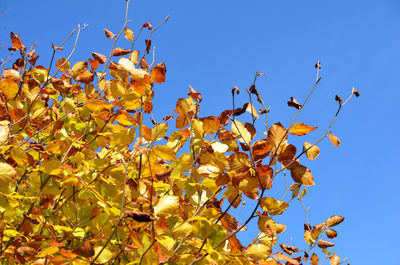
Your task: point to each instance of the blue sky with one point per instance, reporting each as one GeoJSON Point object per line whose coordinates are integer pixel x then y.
{"type": "Point", "coordinates": [214, 45]}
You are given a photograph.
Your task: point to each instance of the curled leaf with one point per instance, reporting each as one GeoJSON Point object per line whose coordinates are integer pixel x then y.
{"type": "Point", "coordinates": [312, 152]}
{"type": "Point", "coordinates": [301, 129]}
{"type": "Point", "coordinates": [334, 140]}
{"type": "Point", "coordinates": [120, 52]}
{"type": "Point", "coordinates": [109, 34]}
{"type": "Point", "coordinates": [334, 220]}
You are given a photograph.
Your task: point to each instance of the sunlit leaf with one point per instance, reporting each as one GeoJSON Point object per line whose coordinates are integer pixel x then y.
{"type": "Point", "coordinates": [312, 151]}
{"type": "Point", "coordinates": [158, 73]}
{"type": "Point", "coordinates": [334, 220]}
{"type": "Point", "coordinates": [128, 33]}
{"type": "Point", "coordinates": [314, 259]}
{"type": "Point", "coordinates": [164, 152]}
{"type": "Point", "coordinates": [334, 260]}
{"type": "Point", "coordinates": [166, 206]}
{"type": "Point", "coordinates": [334, 140]}
{"type": "Point", "coordinates": [273, 206]}
{"type": "Point", "coordinates": [301, 129]}
{"type": "Point", "coordinates": [302, 175]}
{"type": "Point", "coordinates": [240, 132]}
{"type": "Point", "coordinates": [7, 174]}
{"type": "Point", "coordinates": [258, 251]}
{"type": "Point", "coordinates": [9, 88]}
{"type": "Point", "coordinates": [104, 256]}
{"type": "Point", "coordinates": [330, 233]}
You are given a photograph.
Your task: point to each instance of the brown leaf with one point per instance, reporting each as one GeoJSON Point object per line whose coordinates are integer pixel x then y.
{"type": "Point", "coordinates": [334, 220]}
{"type": "Point", "coordinates": [158, 73]}
{"type": "Point", "coordinates": [291, 261]}
{"type": "Point", "coordinates": [148, 45]}
{"type": "Point", "coordinates": [325, 244]}
{"type": "Point", "coordinates": [235, 89]}
{"type": "Point", "coordinates": [318, 65]}
{"type": "Point", "coordinates": [334, 140]}
{"type": "Point", "coordinates": [119, 51]}
{"type": "Point", "coordinates": [139, 216]}
{"type": "Point", "coordinates": [338, 99]}
{"type": "Point", "coordinates": [289, 249]}
{"type": "Point", "coordinates": [330, 233]}
{"type": "Point", "coordinates": [144, 64]}
{"type": "Point", "coordinates": [109, 34]}
{"type": "Point", "coordinates": [224, 117]}
{"type": "Point", "coordinates": [229, 223]}
{"type": "Point", "coordinates": [301, 129]}
{"type": "Point", "coordinates": [194, 94]}
{"type": "Point", "coordinates": [147, 25]}
{"type": "Point", "coordinates": [302, 175]}
{"type": "Point", "coordinates": [99, 57]}
{"type": "Point", "coordinates": [240, 111]}
{"type": "Point", "coordinates": [262, 148]}
{"type": "Point", "coordinates": [85, 250]}
{"type": "Point", "coordinates": [294, 103]}
{"type": "Point", "coordinates": [85, 77]}
{"type": "Point", "coordinates": [265, 174]}
{"type": "Point", "coordinates": [355, 92]}
{"type": "Point", "coordinates": [46, 201]}
{"type": "Point", "coordinates": [168, 117]}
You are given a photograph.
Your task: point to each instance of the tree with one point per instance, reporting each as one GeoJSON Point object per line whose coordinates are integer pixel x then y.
{"type": "Point", "coordinates": [88, 176]}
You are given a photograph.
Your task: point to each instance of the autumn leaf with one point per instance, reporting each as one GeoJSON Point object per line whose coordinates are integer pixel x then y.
{"type": "Point", "coordinates": [325, 244]}
{"type": "Point", "coordinates": [128, 33]}
{"type": "Point", "coordinates": [273, 206]}
{"type": "Point", "coordinates": [109, 34]}
{"type": "Point", "coordinates": [301, 129]}
{"type": "Point", "coordinates": [7, 174]}
{"type": "Point", "coordinates": [158, 73]}
{"type": "Point", "coordinates": [99, 57]}
{"type": "Point", "coordinates": [334, 140]}
{"type": "Point", "coordinates": [330, 233]}
{"type": "Point", "coordinates": [166, 206]}
{"type": "Point", "coordinates": [334, 220]}
{"type": "Point", "coordinates": [120, 52]}
{"type": "Point", "coordinates": [9, 88]}
{"type": "Point", "coordinates": [314, 259]}
{"type": "Point", "coordinates": [334, 260]}
{"type": "Point", "coordinates": [312, 151]}
{"type": "Point", "coordinates": [302, 175]}
{"type": "Point", "coordinates": [258, 251]}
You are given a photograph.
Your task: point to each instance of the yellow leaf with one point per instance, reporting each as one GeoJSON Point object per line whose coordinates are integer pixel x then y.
{"type": "Point", "coordinates": [134, 57]}
{"type": "Point", "coordinates": [167, 206]}
{"type": "Point", "coordinates": [308, 238]}
{"type": "Point", "coordinates": [39, 73]}
{"type": "Point", "coordinates": [301, 129]}
{"type": "Point", "coordinates": [7, 174]}
{"type": "Point", "coordinates": [273, 206]}
{"type": "Point", "coordinates": [99, 105]}
{"type": "Point", "coordinates": [9, 88]}
{"type": "Point", "coordinates": [79, 68]}
{"type": "Point", "coordinates": [4, 131]}
{"type": "Point", "coordinates": [159, 131]}
{"type": "Point", "coordinates": [312, 152]}
{"type": "Point", "coordinates": [117, 89]}
{"type": "Point", "coordinates": [128, 33]}
{"type": "Point", "coordinates": [105, 255]}
{"type": "Point", "coordinates": [240, 132]}
{"type": "Point", "coordinates": [302, 175]}
{"type": "Point", "coordinates": [258, 251]}
{"type": "Point", "coordinates": [125, 119]}
{"type": "Point", "coordinates": [334, 140]}
{"type": "Point", "coordinates": [52, 167]}
{"type": "Point", "coordinates": [47, 252]}
{"type": "Point", "coordinates": [164, 152]}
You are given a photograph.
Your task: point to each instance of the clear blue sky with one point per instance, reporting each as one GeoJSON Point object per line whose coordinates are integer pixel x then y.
{"type": "Point", "coordinates": [214, 45]}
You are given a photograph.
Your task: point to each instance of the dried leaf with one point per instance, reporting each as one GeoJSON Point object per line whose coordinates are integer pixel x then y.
{"type": "Point", "coordinates": [109, 34]}
{"type": "Point", "coordinates": [7, 174]}
{"type": "Point", "coordinates": [314, 259]}
{"type": "Point", "coordinates": [140, 217]}
{"type": "Point", "coordinates": [294, 103]}
{"type": "Point", "coordinates": [334, 260]}
{"type": "Point", "coordinates": [99, 57]}
{"type": "Point", "coordinates": [120, 52]}
{"type": "Point", "coordinates": [325, 244]}
{"type": "Point", "coordinates": [273, 206]}
{"type": "Point", "coordinates": [334, 220]}
{"type": "Point", "coordinates": [355, 92]}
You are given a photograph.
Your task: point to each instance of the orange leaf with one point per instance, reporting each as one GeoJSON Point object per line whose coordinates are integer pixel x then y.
{"type": "Point", "coordinates": [120, 52]}
{"type": "Point", "coordinates": [314, 259]}
{"type": "Point", "coordinates": [158, 73]}
{"type": "Point", "coordinates": [334, 140]}
{"type": "Point", "coordinates": [109, 34]}
{"type": "Point", "coordinates": [301, 129]}
{"type": "Point", "coordinates": [99, 57]}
